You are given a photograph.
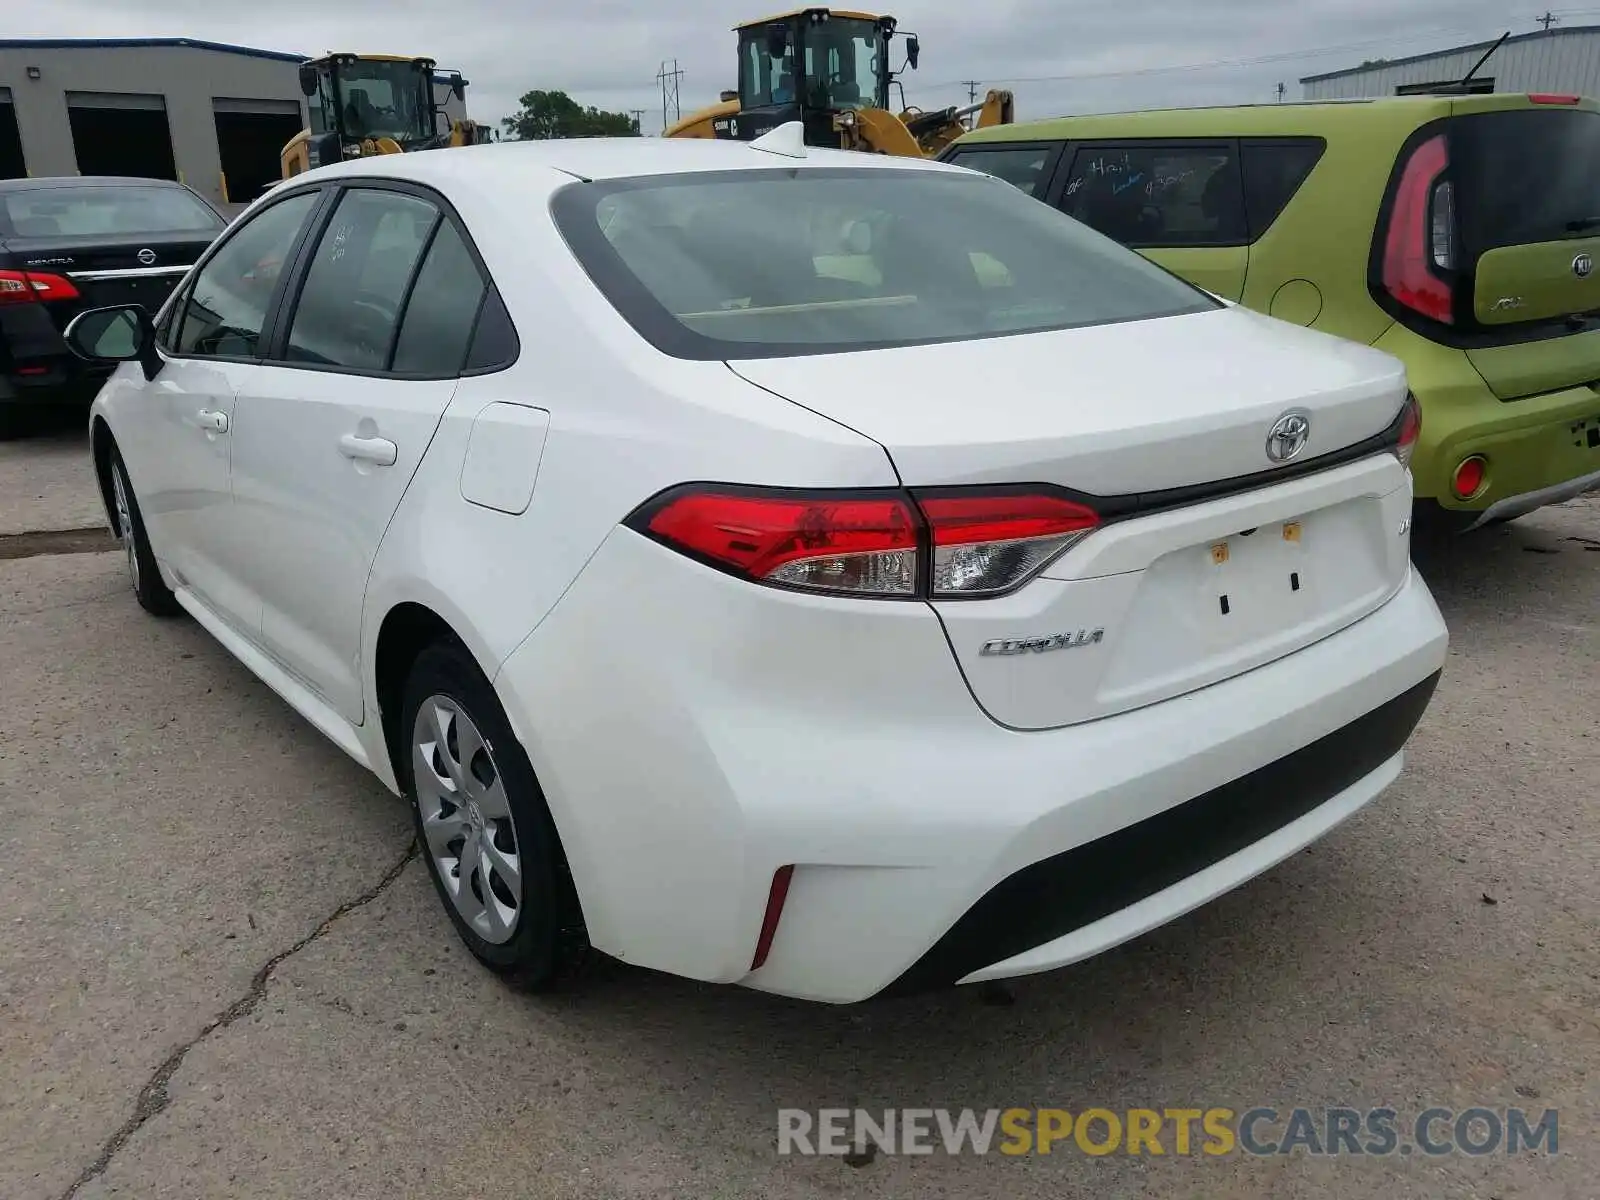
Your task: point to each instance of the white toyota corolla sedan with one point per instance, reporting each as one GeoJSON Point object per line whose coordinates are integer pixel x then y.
{"type": "Point", "coordinates": [827, 573]}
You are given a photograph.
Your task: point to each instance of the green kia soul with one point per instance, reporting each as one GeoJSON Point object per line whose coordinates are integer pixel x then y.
{"type": "Point", "coordinates": [1459, 233]}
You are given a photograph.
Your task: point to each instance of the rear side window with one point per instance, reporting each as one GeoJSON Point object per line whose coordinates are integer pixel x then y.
{"type": "Point", "coordinates": [349, 305]}
{"type": "Point", "coordinates": [442, 310]}
{"type": "Point", "coordinates": [1525, 176]}
{"type": "Point", "coordinates": [763, 263]}
{"type": "Point", "coordinates": [1173, 194]}
{"type": "Point", "coordinates": [1026, 167]}
{"type": "Point", "coordinates": [1273, 173]}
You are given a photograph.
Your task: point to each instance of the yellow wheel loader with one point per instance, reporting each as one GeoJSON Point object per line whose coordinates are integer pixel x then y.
{"type": "Point", "coordinates": [363, 104]}
{"type": "Point", "coordinates": [829, 70]}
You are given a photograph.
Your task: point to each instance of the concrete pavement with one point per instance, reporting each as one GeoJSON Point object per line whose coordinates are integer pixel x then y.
{"type": "Point", "coordinates": [221, 976]}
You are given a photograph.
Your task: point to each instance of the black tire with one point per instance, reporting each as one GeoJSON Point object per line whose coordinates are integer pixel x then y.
{"type": "Point", "coordinates": [549, 946]}
{"type": "Point", "coordinates": [154, 596]}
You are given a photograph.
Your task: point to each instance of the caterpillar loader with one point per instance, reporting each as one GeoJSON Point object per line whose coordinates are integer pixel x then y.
{"type": "Point", "coordinates": [829, 70]}
{"type": "Point", "coordinates": [363, 104]}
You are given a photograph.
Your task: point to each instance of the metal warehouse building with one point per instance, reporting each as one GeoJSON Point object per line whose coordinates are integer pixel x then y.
{"type": "Point", "coordinates": [1558, 60]}
{"type": "Point", "coordinates": [211, 115]}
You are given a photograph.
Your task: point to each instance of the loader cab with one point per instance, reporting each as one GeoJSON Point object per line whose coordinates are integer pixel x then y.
{"type": "Point", "coordinates": [361, 103]}
{"type": "Point", "coordinates": [810, 66]}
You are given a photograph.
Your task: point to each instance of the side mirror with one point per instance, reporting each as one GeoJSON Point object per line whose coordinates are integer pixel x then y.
{"type": "Point", "coordinates": [458, 86]}
{"type": "Point", "coordinates": [729, 94]}
{"type": "Point", "coordinates": [119, 334]}
{"type": "Point", "coordinates": [913, 51]}
{"type": "Point", "coordinates": [309, 81]}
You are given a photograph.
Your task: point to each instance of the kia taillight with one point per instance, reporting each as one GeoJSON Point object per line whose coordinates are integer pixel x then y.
{"type": "Point", "coordinates": [27, 287]}
{"type": "Point", "coordinates": [1410, 430]}
{"type": "Point", "coordinates": [1421, 233]}
{"type": "Point", "coordinates": [947, 544]}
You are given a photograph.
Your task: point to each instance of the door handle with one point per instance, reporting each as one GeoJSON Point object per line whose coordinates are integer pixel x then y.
{"type": "Point", "coordinates": [378, 451]}
{"type": "Point", "coordinates": [212, 421]}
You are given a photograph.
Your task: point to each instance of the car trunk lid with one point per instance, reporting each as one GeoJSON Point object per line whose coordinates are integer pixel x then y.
{"type": "Point", "coordinates": [1212, 558]}
{"type": "Point", "coordinates": [109, 269]}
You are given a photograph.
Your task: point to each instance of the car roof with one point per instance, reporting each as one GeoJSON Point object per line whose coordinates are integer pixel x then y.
{"type": "Point", "coordinates": [41, 183]}
{"type": "Point", "coordinates": [1297, 118]}
{"type": "Point", "coordinates": [512, 164]}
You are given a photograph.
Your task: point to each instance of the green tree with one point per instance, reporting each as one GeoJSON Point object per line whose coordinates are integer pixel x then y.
{"type": "Point", "coordinates": [546, 115]}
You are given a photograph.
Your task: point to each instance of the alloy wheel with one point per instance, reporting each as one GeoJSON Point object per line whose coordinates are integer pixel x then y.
{"type": "Point", "coordinates": [119, 492]}
{"type": "Point", "coordinates": [466, 819]}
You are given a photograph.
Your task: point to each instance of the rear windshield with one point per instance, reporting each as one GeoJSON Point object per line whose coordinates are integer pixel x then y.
{"type": "Point", "coordinates": [758, 264]}
{"type": "Point", "coordinates": [102, 210]}
{"type": "Point", "coordinates": [1529, 175]}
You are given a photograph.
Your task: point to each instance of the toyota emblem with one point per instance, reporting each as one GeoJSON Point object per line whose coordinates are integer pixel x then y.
{"type": "Point", "coordinates": [1582, 266]}
{"type": "Point", "coordinates": [147, 257]}
{"type": "Point", "coordinates": [1288, 435]}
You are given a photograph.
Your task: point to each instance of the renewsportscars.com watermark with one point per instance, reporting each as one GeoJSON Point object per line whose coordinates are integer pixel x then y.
{"type": "Point", "coordinates": [1214, 1132]}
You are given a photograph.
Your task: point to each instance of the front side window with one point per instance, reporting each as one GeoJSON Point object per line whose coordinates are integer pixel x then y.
{"type": "Point", "coordinates": [101, 210]}
{"type": "Point", "coordinates": [1183, 194]}
{"type": "Point", "coordinates": [349, 306]}
{"type": "Point", "coordinates": [223, 313]}
{"type": "Point", "coordinates": [755, 264]}
{"type": "Point", "coordinates": [1023, 167]}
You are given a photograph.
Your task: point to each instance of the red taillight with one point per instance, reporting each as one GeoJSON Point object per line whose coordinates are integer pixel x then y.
{"type": "Point", "coordinates": [1468, 479]}
{"type": "Point", "coordinates": [1552, 98]}
{"type": "Point", "coordinates": [987, 543]}
{"type": "Point", "coordinates": [863, 544]}
{"type": "Point", "coordinates": [1410, 430]}
{"type": "Point", "coordinates": [1407, 275]}
{"type": "Point", "coordinates": [969, 542]}
{"type": "Point", "coordinates": [26, 287]}
{"type": "Point", "coordinates": [776, 895]}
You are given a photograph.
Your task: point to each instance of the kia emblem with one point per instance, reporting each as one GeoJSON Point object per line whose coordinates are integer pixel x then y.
{"type": "Point", "coordinates": [1582, 266]}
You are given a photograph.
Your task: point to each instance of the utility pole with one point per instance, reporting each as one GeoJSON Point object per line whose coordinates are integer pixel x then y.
{"type": "Point", "coordinates": [1281, 90]}
{"type": "Point", "coordinates": [972, 89]}
{"type": "Point", "coordinates": [1548, 20]}
{"type": "Point", "coordinates": [670, 108]}
{"type": "Point", "coordinates": [638, 120]}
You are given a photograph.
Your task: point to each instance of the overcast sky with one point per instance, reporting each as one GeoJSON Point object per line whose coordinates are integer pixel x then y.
{"type": "Point", "coordinates": [607, 52]}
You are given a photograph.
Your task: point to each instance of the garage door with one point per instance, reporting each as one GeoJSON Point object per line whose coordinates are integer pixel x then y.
{"type": "Point", "coordinates": [251, 135]}
{"type": "Point", "coordinates": [121, 133]}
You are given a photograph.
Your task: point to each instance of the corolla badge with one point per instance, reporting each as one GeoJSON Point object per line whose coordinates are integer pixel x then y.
{"type": "Point", "coordinates": [1582, 266]}
{"type": "Point", "coordinates": [147, 257]}
{"type": "Point", "coordinates": [1042, 645]}
{"type": "Point", "coordinates": [1288, 435]}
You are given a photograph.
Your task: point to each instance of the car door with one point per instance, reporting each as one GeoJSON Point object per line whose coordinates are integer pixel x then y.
{"type": "Point", "coordinates": [330, 431]}
{"type": "Point", "coordinates": [1179, 203]}
{"type": "Point", "coordinates": [178, 446]}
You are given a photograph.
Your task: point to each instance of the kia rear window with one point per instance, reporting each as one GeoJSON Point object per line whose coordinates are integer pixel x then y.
{"type": "Point", "coordinates": [1525, 176]}
{"type": "Point", "coordinates": [102, 211]}
{"type": "Point", "coordinates": [757, 264]}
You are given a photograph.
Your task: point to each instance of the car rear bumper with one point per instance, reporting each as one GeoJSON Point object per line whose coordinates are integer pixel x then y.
{"type": "Point", "coordinates": [35, 365]}
{"type": "Point", "coordinates": [1536, 447]}
{"type": "Point", "coordinates": [694, 734]}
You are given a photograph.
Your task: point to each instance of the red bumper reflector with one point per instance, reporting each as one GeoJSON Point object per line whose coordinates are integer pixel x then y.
{"type": "Point", "coordinates": [769, 921]}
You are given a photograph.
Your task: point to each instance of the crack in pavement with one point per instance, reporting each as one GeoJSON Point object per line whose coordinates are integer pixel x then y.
{"type": "Point", "coordinates": [88, 539]}
{"type": "Point", "coordinates": [153, 1096]}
